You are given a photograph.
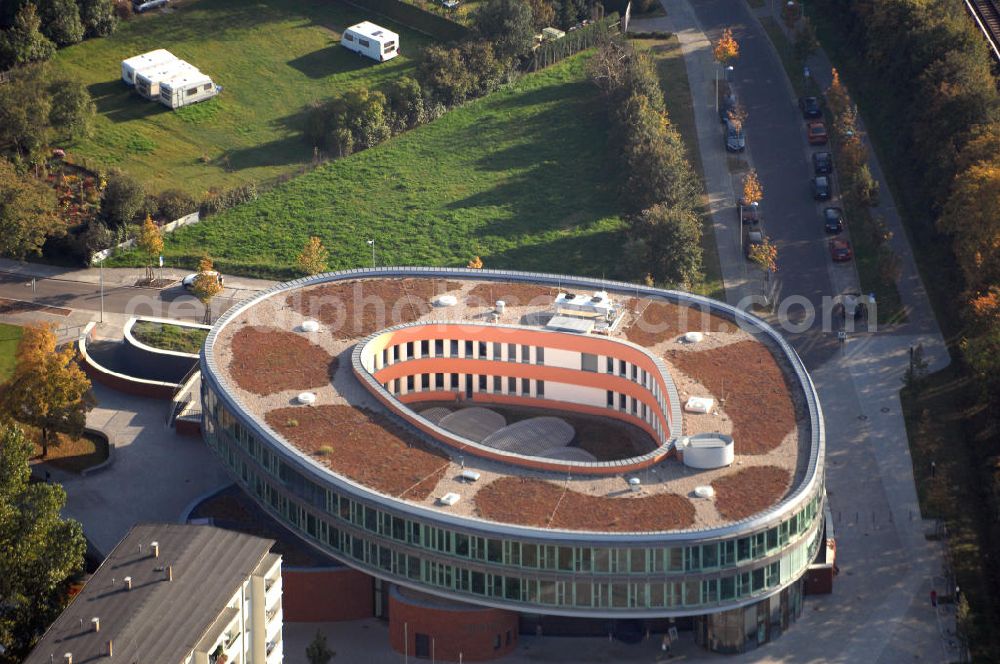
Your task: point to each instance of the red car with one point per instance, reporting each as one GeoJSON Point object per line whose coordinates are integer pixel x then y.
{"type": "Point", "coordinates": [817, 133]}
{"type": "Point", "coordinates": [840, 250]}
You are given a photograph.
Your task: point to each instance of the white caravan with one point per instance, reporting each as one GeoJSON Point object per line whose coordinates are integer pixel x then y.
{"type": "Point", "coordinates": [147, 81]}
{"type": "Point", "coordinates": [369, 39]}
{"type": "Point", "coordinates": [144, 62]}
{"type": "Point", "coordinates": [187, 88]}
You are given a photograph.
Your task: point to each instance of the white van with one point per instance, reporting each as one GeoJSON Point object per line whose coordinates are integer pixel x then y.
{"type": "Point", "coordinates": [147, 81]}
{"type": "Point", "coordinates": [146, 61]}
{"type": "Point", "coordinates": [369, 39]}
{"type": "Point", "coordinates": [187, 88]}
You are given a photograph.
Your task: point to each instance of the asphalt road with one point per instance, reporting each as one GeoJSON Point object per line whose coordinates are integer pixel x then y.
{"type": "Point", "coordinates": [776, 138]}
{"type": "Point", "coordinates": [171, 302]}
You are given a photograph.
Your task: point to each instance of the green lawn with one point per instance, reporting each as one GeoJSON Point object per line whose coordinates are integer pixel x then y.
{"type": "Point", "coordinates": [10, 335]}
{"type": "Point", "coordinates": [272, 57]}
{"type": "Point", "coordinates": [677, 92]}
{"type": "Point", "coordinates": [170, 337]}
{"type": "Point", "coordinates": [519, 178]}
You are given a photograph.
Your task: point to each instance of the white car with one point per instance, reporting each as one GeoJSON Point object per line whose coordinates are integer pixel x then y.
{"type": "Point", "coordinates": [140, 6]}
{"type": "Point", "coordinates": [188, 281]}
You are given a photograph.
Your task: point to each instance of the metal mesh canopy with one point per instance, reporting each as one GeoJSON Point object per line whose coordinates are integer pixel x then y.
{"type": "Point", "coordinates": [435, 415]}
{"type": "Point", "coordinates": [532, 437]}
{"type": "Point", "coordinates": [474, 423]}
{"type": "Point", "coordinates": [568, 454]}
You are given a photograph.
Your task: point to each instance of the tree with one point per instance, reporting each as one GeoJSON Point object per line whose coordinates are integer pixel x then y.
{"type": "Point", "coordinates": [765, 255]}
{"type": "Point", "coordinates": [98, 17]}
{"type": "Point", "coordinates": [864, 187]}
{"type": "Point", "coordinates": [445, 74]}
{"type": "Point", "coordinates": [726, 49]}
{"type": "Point", "coordinates": [970, 217]}
{"type": "Point", "coordinates": [61, 21]}
{"type": "Point", "coordinates": [752, 191]}
{"type": "Point", "coordinates": [41, 551]}
{"type": "Point", "coordinates": [317, 651]}
{"type": "Point", "coordinates": [72, 109]}
{"type": "Point", "coordinates": [404, 102]}
{"type": "Point", "coordinates": [206, 285]}
{"type": "Point", "coordinates": [737, 115]}
{"type": "Point", "coordinates": [27, 213]}
{"type": "Point", "coordinates": [313, 257]}
{"type": "Point", "coordinates": [666, 243]}
{"type": "Point", "coordinates": [25, 104]}
{"type": "Point", "coordinates": [507, 24]}
{"type": "Point", "coordinates": [837, 98]}
{"type": "Point", "coordinates": [476, 263]}
{"type": "Point", "coordinates": [24, 42]}
{"type": "Point", "coordinates": [48, 389]}
{"type": "Point", "coordinates": [173, 204]}
{"type": "Point", "coordinates": [805, 42]}
{"type": "Point", "coordinates": [122, 200]}
{"type": "Point", "coordinates": [150, 242]}
{"type": "Point", "coordinates": [543, 14]}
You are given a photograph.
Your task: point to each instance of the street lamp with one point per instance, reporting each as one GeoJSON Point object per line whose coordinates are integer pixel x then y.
{"type": "Point", "coordinates": [371, 243]}
{"type": "Point", "coordinates": [102, 290]}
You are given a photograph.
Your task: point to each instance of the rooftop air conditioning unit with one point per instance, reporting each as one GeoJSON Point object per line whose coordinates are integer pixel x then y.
{"type": "Point", "coordinates": [449, 499]}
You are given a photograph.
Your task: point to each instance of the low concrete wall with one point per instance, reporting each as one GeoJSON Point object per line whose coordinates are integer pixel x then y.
{"type": "Point", "coordinates": [121, 382]}
{"type": "Point", "coordinates": [104, 254]}
{"type": "Point", "coordinates": [172, 366]}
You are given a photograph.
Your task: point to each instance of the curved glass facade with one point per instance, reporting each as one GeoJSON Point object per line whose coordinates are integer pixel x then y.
{"type": "Point", "coordinates": [532, 570]}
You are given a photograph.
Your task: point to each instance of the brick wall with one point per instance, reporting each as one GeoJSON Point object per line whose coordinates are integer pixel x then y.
{"type": "Point", "coordinates": [450, 631]}
{"type": "Point", "coordinates": [326, 595]}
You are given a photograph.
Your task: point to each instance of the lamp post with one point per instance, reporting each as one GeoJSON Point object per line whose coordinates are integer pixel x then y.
{"type": "Point", "coordinates": [371, 243]}
{"type": "Point", "coordinates": [102, 290]}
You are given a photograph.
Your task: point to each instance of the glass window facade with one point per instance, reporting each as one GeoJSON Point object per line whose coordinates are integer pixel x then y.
{"type": "Point", "coordinates": [520, 572]}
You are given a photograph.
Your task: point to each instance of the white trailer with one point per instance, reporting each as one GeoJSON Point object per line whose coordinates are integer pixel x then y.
{"type": "Point", "coordinates": [147, 81]}
{"type": "Point", "coordinates": [145, 61]}
{"type": "Point", "coordinates": [371, 40]}
{"type": "Point", "coordinates": [187, 88]}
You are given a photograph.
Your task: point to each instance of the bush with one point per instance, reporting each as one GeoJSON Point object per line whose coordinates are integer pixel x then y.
{"type": "Point", "coordinates": [123, 199]}
{"type": "Point", "coordinates": [217, 201]}
{"type": "Point", "coordinates": [174, 204]}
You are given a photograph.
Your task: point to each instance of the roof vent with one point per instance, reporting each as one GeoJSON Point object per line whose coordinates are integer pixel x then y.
{"type": "Point", "coordinates": [699, 405]}
{"type": "Point", "coordinates": [155, 546]}
{"type": "Point", "coordinates": [634, 483]}
{"type": "Point", "coordinates": [445, 301]}
{"type": "Point", "coordinates": [693, 337]}
{"type": "Point", "coordinates": [449, 499]}
{"type": "Point", "coordinates": [96, 623]}
{"type": "Point", "coordinates": [469, 475]}
{"type": "Point", "coordinates": [307, 398]}
{"type": "Point", "coordinates": [704, 491]}
{"type": "Point", "coordinates": [128, 583]}
{"type": "Point", "coordinates": [501, 305]}
{"type": "Point", "coordinates": [310, 326]}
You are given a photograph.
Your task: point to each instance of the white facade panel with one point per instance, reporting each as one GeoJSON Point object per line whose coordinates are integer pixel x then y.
{"type": "Point", "coordinates": [567, 359]}
{"type": "Point", "coordinates": [585, 396]}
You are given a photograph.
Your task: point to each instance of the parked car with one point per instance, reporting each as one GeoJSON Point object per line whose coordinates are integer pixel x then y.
{"type": "Point", "coordinates": [140, 6]}
{"type": "Point", "coordinates": [817, 133]}
{"type": "Point", "coordinates": [449, 4]}
{"type": "Point", "coordinates": [821, 188]}
{"type": "Point", "coordinates": [749, 214]}
{"type": "Point", "coordinates": [810, 107]}
{"type": "Point", "coordinates": [840, 250]}
{"type": "Point", "coordinates": [753, 237]}
{"type": "Point", "coordinates": [833, 220]}
{"type": "Point", "coordinates": [736, 139]}
{"type": "Point", "coordinates": [726, 104]}
{"type": "Point", "coordinates": [822, 163]}
{"type": "Point", "coordinates": [188, 281]}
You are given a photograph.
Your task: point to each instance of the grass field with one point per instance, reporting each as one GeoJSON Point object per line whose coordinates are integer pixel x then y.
{"type": "Point", "coordinates": [272, 57]}
{"type": "Point", "coordinates": [170, 337]}
{"type": "Point", "coordinates": [518, 178]}
{"type": "Point", "coordinates": [10, 335]}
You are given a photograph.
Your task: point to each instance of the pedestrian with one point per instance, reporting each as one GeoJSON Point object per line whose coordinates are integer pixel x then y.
{"type": "Point", "coordinates": [933, 598]}
{"type": "Point", "coordinates": [48, 477]}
